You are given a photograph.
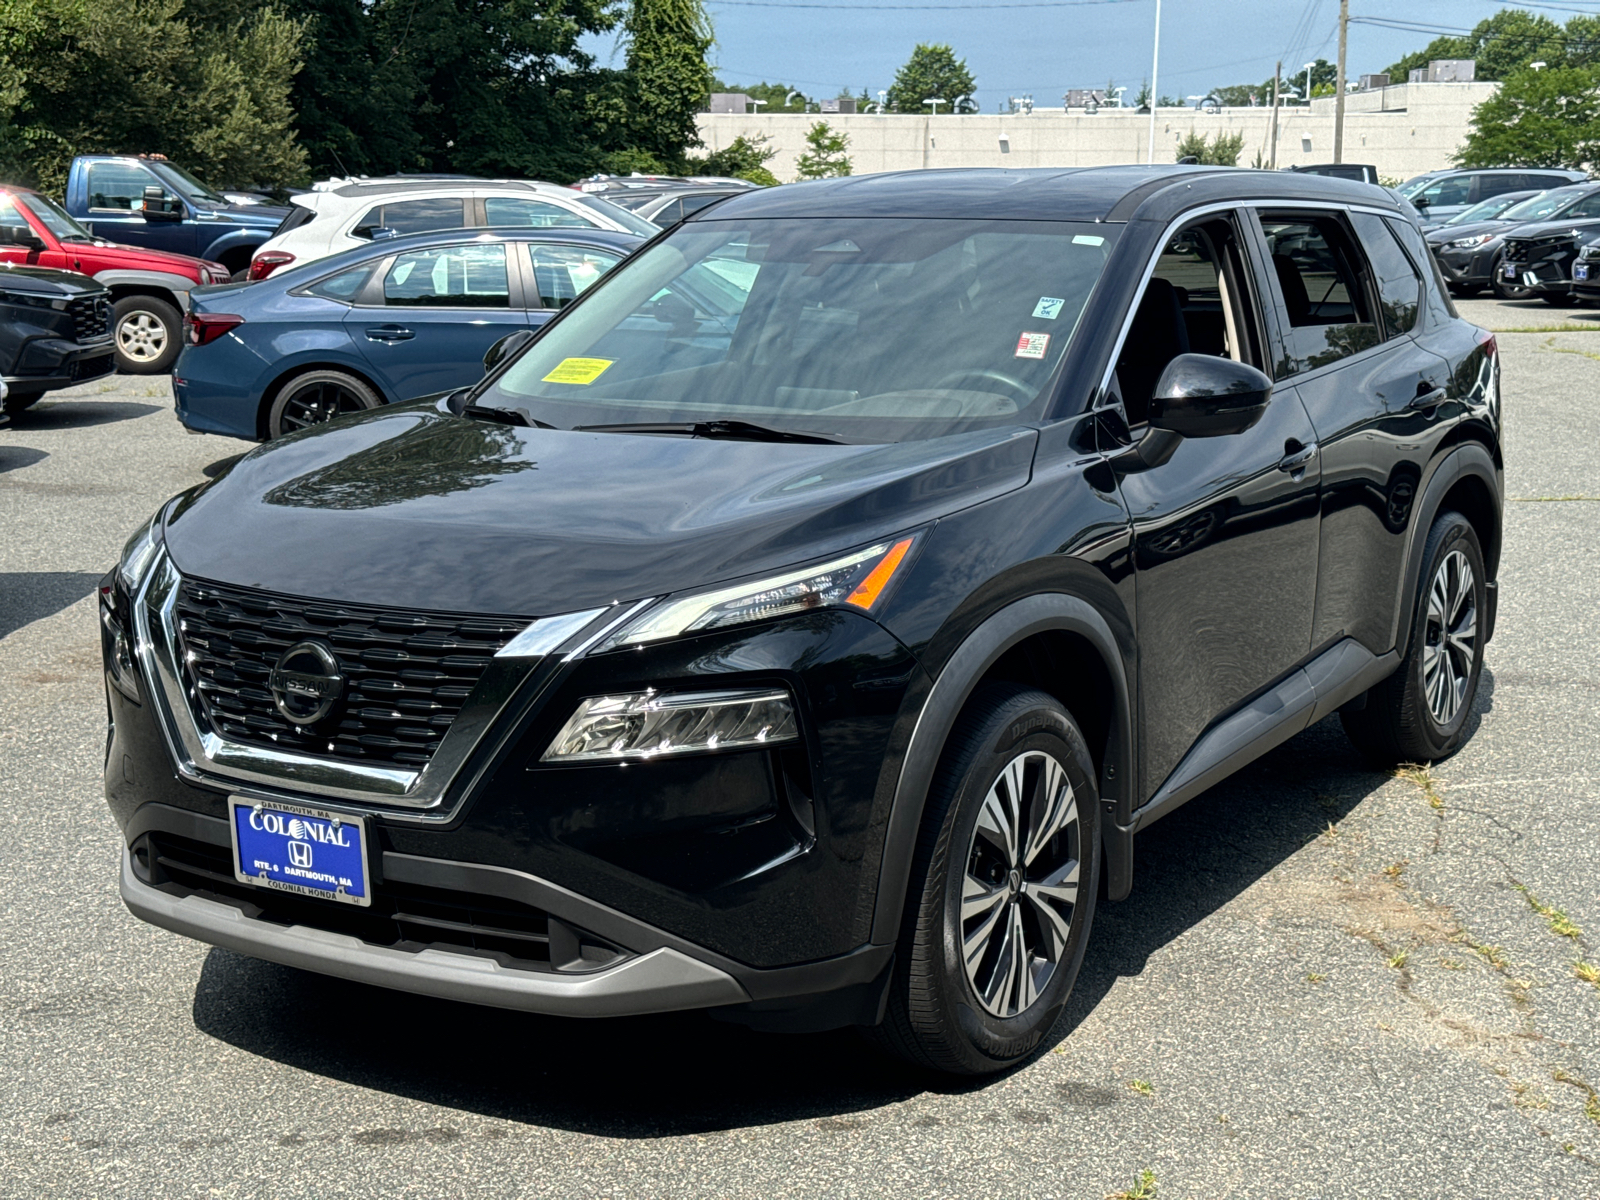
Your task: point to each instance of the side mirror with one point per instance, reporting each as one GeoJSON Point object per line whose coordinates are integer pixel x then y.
{"type": "Point", "coordinates": [374, 233]}
{"type": "Point", "coordinates": [158, 206]}
{"type": "Point", "coordinates": [20, 235]}
{"type": "Point", "coordinates": [1198, 395]}
{"type": "Point", "coordinates": [505, 348]}
{"type": "Point", "coordinates": [1420, 202]}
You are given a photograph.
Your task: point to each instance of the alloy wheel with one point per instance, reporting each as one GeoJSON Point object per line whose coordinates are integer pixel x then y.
{"type": "Point", "coordinates": [1020, 890]}
{"type": "Point", "coordinates": [141, 337]}
{"type": "Point", "coordinates": [318, 403]}
{"type": "Point", "coordinates": [1450, 639]}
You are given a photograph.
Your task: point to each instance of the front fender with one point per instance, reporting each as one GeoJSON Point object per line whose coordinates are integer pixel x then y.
{"type": "Point", "coordinates": [942, 705]}
{"type": "Point", "coordinates": [234, 238]}
{"type": "Point", "coordinates": [160, 281]}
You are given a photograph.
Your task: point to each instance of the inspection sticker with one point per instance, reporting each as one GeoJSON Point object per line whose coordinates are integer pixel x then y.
{"type": "Point", "coordinates": [1049, 307]}
{"type": "Point", "coordinates": [1032, 345]}
{"type": "Point", "coordinates": [578, 370]}
{"type": "Point", "coordinates": [1087, 239]}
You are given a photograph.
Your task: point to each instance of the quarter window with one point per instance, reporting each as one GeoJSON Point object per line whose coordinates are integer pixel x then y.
{"type": "Point", "coordinates": [450, 277]}
{"type": "Point", "coordinates": [1399, 284]}
{"type": "Point", "coordinates": [1317, 270]}
{"type": "Point", "coordinates": [119, 187]}
{"type": "Point", "coordinates": [415, 216]}
{"type": "Point", "coordinates": [563, 273]}
{"type": "Point", "coordinates": [344, 286]}
{"type": "Point", "coordinates": [537, 214]}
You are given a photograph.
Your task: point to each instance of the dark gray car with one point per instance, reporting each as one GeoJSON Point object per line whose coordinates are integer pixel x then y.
{"type": "Point", "coordinates": [1470, 254]}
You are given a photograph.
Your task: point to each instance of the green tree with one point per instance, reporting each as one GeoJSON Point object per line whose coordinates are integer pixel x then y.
{"type": "Point", "coordinates": [771, 95]}
{"type": "Point", "coordinates": [1501, 44]}
{"type": "Point", "coordinates": [668, 78]}
{"type": "Point", "coordinates": [745, 158]}
{"type": "Point", "coordinates": [826, 157]}
{"type": "Point", "coordinates": [1222, 151]}
{"type": "Point", "coordinates": [1539, 118]}
{"type": "Point", "coordinates": [933, 71]}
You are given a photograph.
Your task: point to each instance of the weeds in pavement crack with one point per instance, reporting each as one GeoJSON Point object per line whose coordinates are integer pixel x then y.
{"type": "Point", "coordinates": [1140, 1086]}
{"type": "Point", "coordinates": [1144, 1188]}
{"type": "Point", "coordinates": [1587, 972]}
{"type": "Point", "coordinates": [1560, 924]}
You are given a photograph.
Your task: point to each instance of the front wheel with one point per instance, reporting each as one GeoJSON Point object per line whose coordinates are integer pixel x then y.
{"type": "Point", "coordinates": [1002, 889]}
{"type": "Point", "coordinates": [1420, 713]}
{"type": "Point", "coordinates": [315, 397]}
{"type": "Point", "coordinates": [148, 335]}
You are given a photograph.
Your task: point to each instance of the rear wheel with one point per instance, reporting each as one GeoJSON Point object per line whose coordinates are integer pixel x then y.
{"type": "Point", "coordinates": [148, 334]}
{"type": "Point", "coordinates": [316, 397]}
{"type": "Point", "coordinates": [1002, 890]}
{"type": "Point", "coordinates": [1420, 713]}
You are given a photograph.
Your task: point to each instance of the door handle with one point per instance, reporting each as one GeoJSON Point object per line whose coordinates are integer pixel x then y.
{"type": "Point", "coordinates": [389, 333]}
{"type": "Point", "coordinates": [1298, 460]}
{"type": "Point", "coordinates": [1429, 399]}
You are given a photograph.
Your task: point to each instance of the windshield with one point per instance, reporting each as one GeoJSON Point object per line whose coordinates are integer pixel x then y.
{"type": "Point", "coordinates": [1486, 210]}
{"type": "Point", "coordinates": [191, 187]}
{"type": "Point", "coordinates": [1412, 186]}
{"type": "Point", "coordinates": [618, 215]}
{"type": "Point", "coordinates": [862, 329]}
{"type": "Point", "coordinates": [1543, 205]}
{"type": "Point", "coordinates": [54, 218]}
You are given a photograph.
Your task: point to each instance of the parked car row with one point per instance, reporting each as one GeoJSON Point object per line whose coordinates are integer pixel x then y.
{"type": "Point", "coordinates": [1526, 250]}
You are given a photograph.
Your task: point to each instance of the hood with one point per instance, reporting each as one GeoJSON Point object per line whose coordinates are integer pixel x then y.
{"type": "Point", "coordinates": [413, 507]}
{"type": "Point", "coordinates": [1540, 229]}
{"type": "Point", "coordinates": [46, 281]}
{"type": "Point", "coordinates": [261, 216]}
{"type": "Point", "coordinates": [115, 254]}
{"type": "Point", "coordinates": [1441, 234]}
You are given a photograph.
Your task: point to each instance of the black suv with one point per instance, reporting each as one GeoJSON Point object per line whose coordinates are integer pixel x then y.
{"type": "Point", "coordinates": [55, 331]}
{"type": "Point", "coordinates": [803, 625]}
{"type": "Point", "coordinates": [1540, 258]}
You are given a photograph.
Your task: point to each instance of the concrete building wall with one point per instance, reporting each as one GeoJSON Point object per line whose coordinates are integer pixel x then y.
{"type": "Point", "coordinates": [1402, 130]}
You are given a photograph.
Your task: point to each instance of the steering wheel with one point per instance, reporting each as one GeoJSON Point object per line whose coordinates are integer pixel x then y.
{"type": "Point", "coordinates": [1023, 391]}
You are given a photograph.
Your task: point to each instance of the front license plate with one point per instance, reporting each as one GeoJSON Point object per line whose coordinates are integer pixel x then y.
{"type": "Point", "coordinates": [1580, 271]}
{"type": "Point", "coordinates": [292, 848]}
{"type": "Point", "coordinates": [1509, 272]}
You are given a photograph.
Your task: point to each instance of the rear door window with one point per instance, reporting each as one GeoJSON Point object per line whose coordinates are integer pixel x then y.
{"type": "Point", "coordinates": [471, 276]}
{"type": "Point", "coordinates": [1399, 283]}
{"type": "Point", "coordinates": [1589, 206]}
{"type": "Point", "coordinates": [415, 216]}
{"type": "Point", "coordinates": [563, 273]}
{"type": "Point", "coordinates": [1449, 191]}
{"type": "Point", "coordinates": [1317, 278]}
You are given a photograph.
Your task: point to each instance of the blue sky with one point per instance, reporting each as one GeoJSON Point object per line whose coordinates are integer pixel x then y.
{"type": "Point", "coordinates": [1073, 43]}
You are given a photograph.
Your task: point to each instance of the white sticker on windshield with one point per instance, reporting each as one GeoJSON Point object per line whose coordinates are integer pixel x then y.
{"type": "Point", "coordinates": [1049, 307]}
{"type": "Point", "coordinates": [1032, 345]}
{"type": "Point", "coordinates": [1087, 239]}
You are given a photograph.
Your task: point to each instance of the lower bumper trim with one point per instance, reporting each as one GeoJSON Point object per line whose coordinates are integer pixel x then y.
{"type": "Point", "coordinates": [664, 980]}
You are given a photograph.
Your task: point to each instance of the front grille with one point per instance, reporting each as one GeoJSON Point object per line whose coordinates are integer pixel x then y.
{"type": "Point", "coordinates": [1516, 251]}
{"type": "Point", "coordinates": [406, 674]}
{"type": "Point", "coordinates": [403, 916]}
{"type": "Point", "coordinates": [91, 317]}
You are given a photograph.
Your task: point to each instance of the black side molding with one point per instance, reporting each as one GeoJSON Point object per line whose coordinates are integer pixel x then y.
{"type": "Point", "coordinates": [1338, 674]}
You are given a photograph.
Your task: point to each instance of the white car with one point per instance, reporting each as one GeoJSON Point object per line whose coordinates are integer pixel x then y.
{"type": "Point", "coordinates": [321, 223]}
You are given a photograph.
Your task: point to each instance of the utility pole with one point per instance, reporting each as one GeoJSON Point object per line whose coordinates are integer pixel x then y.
{"type": "Point", "coordinates": [1338, 102]}
{"type": "Point", "coordinates": [1277, 76]}
{"type": "Point", "coordinates": [1155, 62]}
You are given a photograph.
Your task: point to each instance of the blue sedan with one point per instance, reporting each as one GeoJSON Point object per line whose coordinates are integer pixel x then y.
{"type": "Point", "coordinates": [399, 319]}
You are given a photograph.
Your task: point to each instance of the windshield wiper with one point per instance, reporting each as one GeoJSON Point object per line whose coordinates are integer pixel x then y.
{"type": "Point", "coordinates": [743, 431]}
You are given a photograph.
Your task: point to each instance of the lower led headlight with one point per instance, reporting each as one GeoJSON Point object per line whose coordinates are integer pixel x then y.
{"type": "Point", "coordinates": [645, 725]}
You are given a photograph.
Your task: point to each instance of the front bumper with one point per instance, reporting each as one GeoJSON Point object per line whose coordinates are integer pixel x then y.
{"type": "Point", "coordinates": [662, 980]}
{"type": "Point", "coordinates": [49, 363]}
{"type": "Point", "coordinates": [1469, 268]}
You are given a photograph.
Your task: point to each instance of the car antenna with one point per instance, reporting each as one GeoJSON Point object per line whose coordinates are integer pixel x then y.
{"type": "Point", "coordinates": [344, 169]}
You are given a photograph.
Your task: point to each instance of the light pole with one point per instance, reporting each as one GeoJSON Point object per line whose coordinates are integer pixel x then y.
{"type": "Point", "coordinates": [883, 101]}
{"type": "Point", "coordinates": [758, 104]}
{"type": "Point", "coordinates": [936, 101]}
{"type": "Point", "coordinates": [1307, 69]}
{"type": "Point", "coordinates": [792, 95]}
{"type": "Point", "coordinates": [1155, 61]}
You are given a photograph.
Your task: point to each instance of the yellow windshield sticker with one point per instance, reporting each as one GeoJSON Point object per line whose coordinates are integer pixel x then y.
{"type": "Point", "coordinates": [578, 370]}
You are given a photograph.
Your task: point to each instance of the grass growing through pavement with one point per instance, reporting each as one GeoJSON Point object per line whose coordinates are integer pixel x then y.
{"type": "Point", "coordinates": [1587, 972]}
{"type": "Point", "coordinates": [1140, 1086]}
{"type": "Point", "coordinates": [1420, 775]}
{"type": "Point", "coordinates": [1144, 1188]}
{"type": "Point", "coordinates": [1560, 924]}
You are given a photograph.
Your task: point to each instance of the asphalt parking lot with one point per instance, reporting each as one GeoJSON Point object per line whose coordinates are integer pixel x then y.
{"type": "Point", "coordinates": [1329, 982]}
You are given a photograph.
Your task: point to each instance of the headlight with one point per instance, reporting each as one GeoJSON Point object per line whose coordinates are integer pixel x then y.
{"type": "Point", "coordinates": [1467, 243]}
{"type": "Point", "coordinates": [858, 580]}
{"type": "Point", "coordinates": [139, 553]}
{"type": "Point", "coordinates": [645, 725]}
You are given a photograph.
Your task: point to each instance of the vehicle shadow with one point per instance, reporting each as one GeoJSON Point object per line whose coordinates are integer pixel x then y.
{"type": "Point", "coordinates": [78, 414]}
{"type": "Point", "coordinates": [13, 457]}
{"type": "Point", "coordinates": [685, 1073]}
{"type": "Point", "coordinates": [29, 596]}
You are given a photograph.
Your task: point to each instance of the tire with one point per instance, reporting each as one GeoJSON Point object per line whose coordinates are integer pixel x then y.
{"type": "Point", "coordinates": [1557, 299]}
{"type": "Point", "coordinates": [16, 401]}
{"type": "Point", "coordinates": [148, 333]}
{"type": "Point", "coordinates": [1465, 291]}
{"type": "Point", "coordinates": [315, 398]}
{"type": "Point", "coordinates": [1507, 291]}
{"type": "Point", "coordinates": [940, 1015]}
{"type": "Point", "coordinates": [1419, 714]}
{"type": "Point", "coordinates": [239, 276]}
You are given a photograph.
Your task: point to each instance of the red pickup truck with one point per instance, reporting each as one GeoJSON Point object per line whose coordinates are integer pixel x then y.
{"type": "Point", "coordinates": [149, 288]}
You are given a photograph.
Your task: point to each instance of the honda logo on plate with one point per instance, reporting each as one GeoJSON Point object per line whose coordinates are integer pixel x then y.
{"type": "Point", "coordinates": [300, 854]}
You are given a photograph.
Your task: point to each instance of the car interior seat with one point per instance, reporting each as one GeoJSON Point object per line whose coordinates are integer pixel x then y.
{"type": "Point", "coordinates": [1158, 335]}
